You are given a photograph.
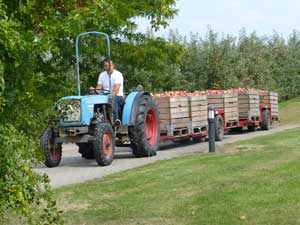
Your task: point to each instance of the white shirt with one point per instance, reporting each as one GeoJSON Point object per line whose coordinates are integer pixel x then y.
{"type": "Point", "coordinates": [116, 78]}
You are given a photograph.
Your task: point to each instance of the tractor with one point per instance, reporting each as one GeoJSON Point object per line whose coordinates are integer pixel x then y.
{"type": "Point", "coordinates": [87, 121]}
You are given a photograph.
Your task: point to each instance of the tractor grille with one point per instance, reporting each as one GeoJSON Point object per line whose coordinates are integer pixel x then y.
{"type": "Point", "coordinates": [69, 110]}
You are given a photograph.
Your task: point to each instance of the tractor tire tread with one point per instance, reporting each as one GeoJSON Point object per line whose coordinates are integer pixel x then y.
{"type": "Point", "coordinates": [45, 143]}
{"type": "Point", "coordinates": [139, 143]}
{"type": "Point", "coordinates": [101, 159]}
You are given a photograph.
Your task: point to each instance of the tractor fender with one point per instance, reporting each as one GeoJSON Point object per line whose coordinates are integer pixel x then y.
{"type": "Point", "coordinates": [130, 107]}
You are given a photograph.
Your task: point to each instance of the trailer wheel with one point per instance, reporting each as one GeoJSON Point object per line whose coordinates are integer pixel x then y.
{"type": "Point", "coordinates": [266, 123]}
{"type": "Point", "coordinates": [104, 144]}
{"type": "Point", "coordinates": [86, 150]}
{"type": "Point", "coordinates": [144, 134]}
{"type": "Point", "coordinates": [52, 150]}
{"type": "Point", "coordinates": [219, 127]}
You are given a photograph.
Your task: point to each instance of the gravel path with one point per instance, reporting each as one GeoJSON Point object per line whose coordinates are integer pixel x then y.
{"type": "Point", "coordinates": [74, 169]}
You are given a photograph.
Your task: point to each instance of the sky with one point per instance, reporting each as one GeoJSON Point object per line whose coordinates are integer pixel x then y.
{"type": "Point", "coordinates": [230, 16]}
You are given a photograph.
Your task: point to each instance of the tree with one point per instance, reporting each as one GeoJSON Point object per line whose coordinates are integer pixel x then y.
{"type": "Point", "coordinates": [36, 57]}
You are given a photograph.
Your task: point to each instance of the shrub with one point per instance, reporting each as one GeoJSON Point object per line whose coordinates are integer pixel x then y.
{"type": "Point", "coordinates": [22, 191]}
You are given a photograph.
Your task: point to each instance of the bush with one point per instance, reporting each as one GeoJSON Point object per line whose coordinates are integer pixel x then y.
{"type": "Point", "coordinates": [22, 191]}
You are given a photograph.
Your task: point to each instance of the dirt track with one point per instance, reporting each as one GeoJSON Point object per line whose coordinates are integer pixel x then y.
{"type": "Point", "coordinates": [74, 169]}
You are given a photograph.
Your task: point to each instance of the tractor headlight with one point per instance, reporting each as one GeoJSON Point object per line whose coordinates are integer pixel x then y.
{"type": "Point", "coordinates": [69, 110]}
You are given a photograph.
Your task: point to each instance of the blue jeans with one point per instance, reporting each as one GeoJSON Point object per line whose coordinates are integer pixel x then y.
{"type": "Point", "coordinates": [117, 102]}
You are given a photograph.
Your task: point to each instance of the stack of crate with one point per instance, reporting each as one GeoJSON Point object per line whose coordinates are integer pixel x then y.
{"type": "Point", "coordinates": [227, 102]}
{"type": "Point", "coordinates": [174, 115]}
{"type": "Point", "coordinates": [198, 113]}
{"type": "Point", "coordinates": [271, 100]}
{"type": "Point", "coordinates": [248, 102]}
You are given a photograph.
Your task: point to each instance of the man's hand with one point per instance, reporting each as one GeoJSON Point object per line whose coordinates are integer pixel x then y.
{"type": "Point", "coordinates": [96, 90]}
{"type": "Point", "coordinates": [92, 90]}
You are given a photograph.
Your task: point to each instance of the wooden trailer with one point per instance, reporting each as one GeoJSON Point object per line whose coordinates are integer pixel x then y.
{"type": "Point", "coordinates": [248, 105]}
{"type": "Point", "coordinates": [174, 115]}
{"type": "Point", "coordinates": [226, 112]}
{"type": "Point", "coordinates": [185, 117]}
{"type": "Point", "coordinates": [255, 109]}
{"type": "Point", "coordinates": [270, 99]}
{"type": "Point", "coordinates": [227, 106]}
{"type": "Point", "coordinates": [198, 113]}
{"type": "Point", "coordinates": [182, 117]}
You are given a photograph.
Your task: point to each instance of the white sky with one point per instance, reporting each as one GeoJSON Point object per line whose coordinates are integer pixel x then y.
{"type": "Point", "coordinates": [229, 17]}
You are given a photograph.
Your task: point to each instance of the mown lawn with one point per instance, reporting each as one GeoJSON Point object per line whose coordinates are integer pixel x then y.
{"type": "Point", "coordinates": [252, 182]}
{"type": "Point", "coordinates": [289, 111]}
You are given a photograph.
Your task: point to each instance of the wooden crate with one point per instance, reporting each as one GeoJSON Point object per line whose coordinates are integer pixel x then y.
{"type": "Point", "coordinates": [248, 104]}
{"type": "Point", "coordinates": [271, 100]}
{"type": "Point", "coordinates": [198, 113]}
{"type": "Point", "coordinates": [227, 102]}
{"type": "Point", "coordinates": [174, 115]}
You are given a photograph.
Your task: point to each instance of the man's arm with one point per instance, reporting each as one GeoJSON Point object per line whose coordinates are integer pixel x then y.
{"type": "Point", "coordinates": [96, 90]}
{"type": "Point", "coordinates": [99, 84]}
{"type": "Point", "coordinates": [116, 89]}
{"type": "Point", "coordinates": [99, 87]}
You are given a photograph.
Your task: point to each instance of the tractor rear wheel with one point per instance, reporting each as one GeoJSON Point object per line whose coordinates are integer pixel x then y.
{"type": "Point", "coordinates": [219, 128]}
{"type": "Point", "coordinates": [52, 150]}
{"type": "Point", "coordinates": [104, 144]}
{"type": "Point", "coordinates": [86, 150]}
{"type": "Point", "coordinates": [266, 123]}
{"type": "Point", "coordinates": [145, 133]}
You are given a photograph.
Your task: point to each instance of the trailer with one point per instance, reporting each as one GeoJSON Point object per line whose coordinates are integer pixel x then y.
{"type": "Point", "coordinates": [270, 99]}
{"type": "Point", "coordinates": [182, 118]}
{"type": "Point", "coordinates": [250, 112]}
{"type": "Point", "coordinates": [226, 112]}
{"type": "Point", "coordinates": [256, 109]}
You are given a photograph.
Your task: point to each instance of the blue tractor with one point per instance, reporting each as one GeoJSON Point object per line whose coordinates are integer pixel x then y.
{"type": "Point", "coordinates": [87, 121]}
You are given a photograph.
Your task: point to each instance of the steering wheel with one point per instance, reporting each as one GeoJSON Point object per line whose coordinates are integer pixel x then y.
{"type": "Point", "coordinates": [103, 92]}
{"type": "Point", "coordinates": [94, 91]}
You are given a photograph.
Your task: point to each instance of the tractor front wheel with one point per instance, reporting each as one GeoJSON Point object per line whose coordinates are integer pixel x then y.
{"type": "Point", "coordinates": [104, 144]}
{"type": "Point", "coordinates": [145, 133]}
{"type": "Point", "coordinates": [52, 150]}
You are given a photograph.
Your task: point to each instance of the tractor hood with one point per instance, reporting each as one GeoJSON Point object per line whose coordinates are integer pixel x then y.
{"type": "Point", "coordinates": [78, 110]}
{"type": "Point", "coordinates": [89, 99]}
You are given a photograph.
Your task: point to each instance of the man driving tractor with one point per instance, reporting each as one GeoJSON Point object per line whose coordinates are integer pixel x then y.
{"type": "Point", "coordinates": [116, 78]}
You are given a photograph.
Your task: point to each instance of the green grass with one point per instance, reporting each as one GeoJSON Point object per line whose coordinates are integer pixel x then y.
{"type": "Point", "coordinates": [289, 111]}
{"type": "Point", "coordinates": [258, 179]}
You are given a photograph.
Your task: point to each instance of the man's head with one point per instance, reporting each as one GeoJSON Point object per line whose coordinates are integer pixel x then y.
{"type": "Point", "coordinates": [108, 65]}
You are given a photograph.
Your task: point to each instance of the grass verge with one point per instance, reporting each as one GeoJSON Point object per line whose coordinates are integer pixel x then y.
{"type": "Point", "coordinates": [289, 111]}
{"type": "Point", "coordinates": [256, 182]}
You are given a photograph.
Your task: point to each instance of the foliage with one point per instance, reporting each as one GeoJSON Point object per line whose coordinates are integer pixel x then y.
{"type": "Point", "coordinates": [215, 62]}
{"type": "Point", "coordinates": [151, 62]}
{"type": "Point", "coordinates": [37, 67]}
{"type": "Point", "coordinates": [22, 191]}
